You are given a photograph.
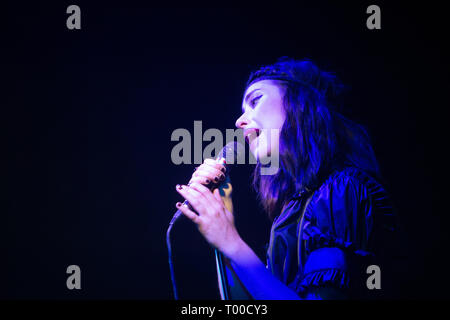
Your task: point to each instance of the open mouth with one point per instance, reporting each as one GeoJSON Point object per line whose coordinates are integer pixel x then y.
{"type": "Point", "coordinates": [251, 134]}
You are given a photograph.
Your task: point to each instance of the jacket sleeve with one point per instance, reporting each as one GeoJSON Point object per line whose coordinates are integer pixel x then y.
{"type": "Point", "coordinates": [335, 239]}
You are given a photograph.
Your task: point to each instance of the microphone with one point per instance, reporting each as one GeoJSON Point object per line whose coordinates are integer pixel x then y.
{"type": "Point", "coordinates": [227, 156]}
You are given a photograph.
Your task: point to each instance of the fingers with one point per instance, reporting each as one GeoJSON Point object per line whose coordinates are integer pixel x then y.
{"type": "Point", "coordinates": [200, 179]}
{"type": "Point", "coordinates": [226, 203]}
{"type": "Point", "coordinates": [191, 215]}
{"type": "Point", "coordinates": [216, 194]}
{"type": "Point", "coordinates": [213, 163]}
{"type": "Point", "coordinates": [204, 191]}
{"type": "Point", "coordinates": [195, 198]}
{"type": "Point", "coordinates": [211, 171]}
{"type": "Point", "coordinates": [200, 198]}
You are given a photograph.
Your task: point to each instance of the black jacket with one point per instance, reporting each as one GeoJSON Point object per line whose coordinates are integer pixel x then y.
{"type": "Point", "coordinates": [323, 242]}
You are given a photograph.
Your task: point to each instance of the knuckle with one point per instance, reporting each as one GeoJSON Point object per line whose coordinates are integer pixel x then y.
{"type": "Point", "coordinates": [215, 213]}
{"type": "Point", "coordinates": [209, 161]}
{"type": "Point", "coordinates": [204, 166]}
{"type": "Point", "coordinates": [207, 176]}
{"type": "Point", "coordinates": [200, 187]}
{"type": "Point", "coordinates": [200, 180]}
{"type": "Point", "coordinates": [219, 206]}
{"type": "Point", "coordinates": [205, 169]}
{"type": "Point", "coordinates": [202, 172]}
{"type": "Point", "coordinates": [194, 200]}
{"type": "Point", "coordinates": [195, 185]}
{"type": "Point", "coordinates": [193, 180]}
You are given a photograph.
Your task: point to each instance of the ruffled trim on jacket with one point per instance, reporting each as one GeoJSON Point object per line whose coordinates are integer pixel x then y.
{"type": "Point", "coordinates": [327, 277]}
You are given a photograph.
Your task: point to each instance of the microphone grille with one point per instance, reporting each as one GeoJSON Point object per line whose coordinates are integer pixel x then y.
{"type": "Point", "coordinates": [232, 152]}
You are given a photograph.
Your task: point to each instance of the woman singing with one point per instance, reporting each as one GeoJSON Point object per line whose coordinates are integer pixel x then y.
{"type": "Point", "coordinates": [331, 216]}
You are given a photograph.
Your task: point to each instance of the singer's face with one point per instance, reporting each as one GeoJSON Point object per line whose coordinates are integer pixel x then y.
{"type": "Point", "coordinates": [262, 118]}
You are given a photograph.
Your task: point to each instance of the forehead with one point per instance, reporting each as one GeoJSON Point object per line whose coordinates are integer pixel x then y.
{"type": "Point", "coordinates": [267, 85]}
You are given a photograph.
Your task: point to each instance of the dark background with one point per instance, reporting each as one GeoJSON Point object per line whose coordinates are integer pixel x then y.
{"type": "Point", "coordinates": [89, 115]}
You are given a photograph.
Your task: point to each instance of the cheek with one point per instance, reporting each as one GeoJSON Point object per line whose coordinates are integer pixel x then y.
{"type": "Point", "coordinates": [269, 141]}
{"type": "Point", "coordinates": [270, 119]}
{"type": "Point", "coordinates": [275, 114]}
{"type": "Point", "coordinates": [279, 117]}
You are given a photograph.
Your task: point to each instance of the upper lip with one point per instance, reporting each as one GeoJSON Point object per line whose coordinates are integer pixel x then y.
{"type": "Point", "coordinates": [250, 134]}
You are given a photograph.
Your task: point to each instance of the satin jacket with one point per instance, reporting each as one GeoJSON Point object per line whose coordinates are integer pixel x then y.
{"type": "Point", "coordinates": [323, 242]}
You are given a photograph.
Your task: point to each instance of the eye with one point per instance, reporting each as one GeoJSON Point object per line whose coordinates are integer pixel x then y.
{"type": "Point", "coordinates": [254, 101]}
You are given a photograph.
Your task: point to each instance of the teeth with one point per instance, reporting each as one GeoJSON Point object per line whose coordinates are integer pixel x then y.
{"type": "Point", "coordinates": [252, 133]}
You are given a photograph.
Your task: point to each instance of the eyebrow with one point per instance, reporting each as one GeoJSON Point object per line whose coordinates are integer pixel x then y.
{"type": "Point", "coordinates": [247, 97]}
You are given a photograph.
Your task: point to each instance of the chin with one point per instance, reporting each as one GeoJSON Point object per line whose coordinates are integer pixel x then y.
{"type": "Point", "coordinates": [262, 156]}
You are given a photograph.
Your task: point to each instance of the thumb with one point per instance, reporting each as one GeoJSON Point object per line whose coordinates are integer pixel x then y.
{"type": "Point", "coordinates": [216, 194]}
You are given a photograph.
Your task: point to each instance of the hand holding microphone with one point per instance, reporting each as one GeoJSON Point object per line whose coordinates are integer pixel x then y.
{"type": "Point", "coordinates": [212, 211]}
{"type": "Point", "coordinates": [213, 174]}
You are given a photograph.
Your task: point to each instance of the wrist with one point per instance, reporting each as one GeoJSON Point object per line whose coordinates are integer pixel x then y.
{"type": "Point", "coordinates": [235, 249]}
{"type": "Point", "coordinates": [241, 254]}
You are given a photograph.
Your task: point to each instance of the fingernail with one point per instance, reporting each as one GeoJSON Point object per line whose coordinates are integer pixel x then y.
{"type": "Point", "coordinates": [179, 187]}
{"type": "Point", "coordinates": [208, 181]}
{"type": "Point", "coordinates": [216, 179]}
{"type": "Point", "coordinates": [222, 177]}
{"type": "Point", "coordinates": [178, 204]}
{"type": "Point", "coordinates": [223, 169]}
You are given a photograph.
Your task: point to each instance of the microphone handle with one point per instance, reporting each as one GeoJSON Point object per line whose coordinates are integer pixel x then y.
{"type": "Point", "coordinates": [211, 186]}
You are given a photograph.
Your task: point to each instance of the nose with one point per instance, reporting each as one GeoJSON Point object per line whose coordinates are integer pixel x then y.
{"type": "Point", "coordinates": [242, 121]}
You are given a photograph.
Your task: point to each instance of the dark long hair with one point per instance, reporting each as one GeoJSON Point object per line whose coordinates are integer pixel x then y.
{"type": "Point", "coordinates": [315, 139]}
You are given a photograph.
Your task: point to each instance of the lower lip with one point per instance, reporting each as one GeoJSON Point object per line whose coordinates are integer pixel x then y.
{"type": "Point", "coordinates": [252, 142]}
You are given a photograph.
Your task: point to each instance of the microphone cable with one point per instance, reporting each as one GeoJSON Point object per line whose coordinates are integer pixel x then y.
{"type": "Point", "coordinates": [169, 251]}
